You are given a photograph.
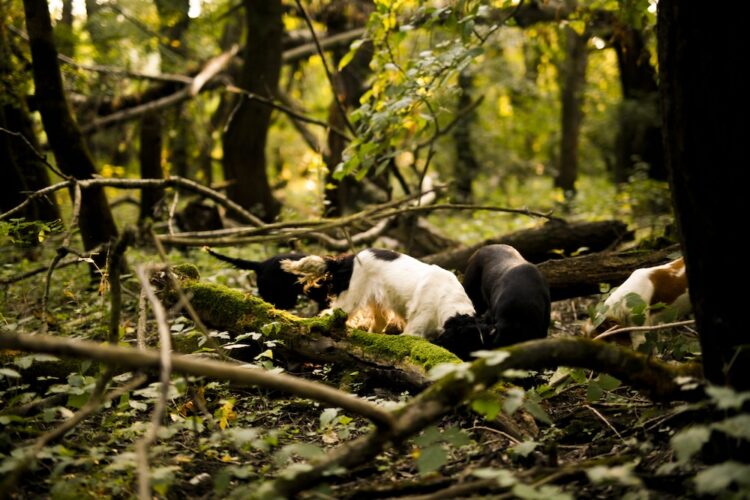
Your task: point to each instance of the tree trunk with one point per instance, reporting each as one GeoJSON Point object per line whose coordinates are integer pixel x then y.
{"type": "Point", "coordinates": [66, 141]}
{"type": "Point", "coordinates": [466, 163]}
{"type": "Point", "coordinates": [571, 94]}
{"type": "Point", "coordinates": [20, 170]}
{"type": "Point", "coordinates": [537, 244]}
{"type": "Point", "coordinates": [705, 107]}
{"type": "Point", "coordinates": [64, 30]}
{"type": "Point", "coordinates": [639, 137]}
{"type": "Point", "coordinates": [244, 159]}
{"type": "Point", "coordinates": [150, 160]}
{"type": "Point", "coordinates": [345, 195]}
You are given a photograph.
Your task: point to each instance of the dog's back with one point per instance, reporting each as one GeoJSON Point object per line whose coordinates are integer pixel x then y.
{"type": "Point", "coordinates": [512, 291]}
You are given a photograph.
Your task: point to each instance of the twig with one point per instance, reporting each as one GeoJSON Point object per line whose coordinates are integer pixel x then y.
{"type": "Point", "coordinates": [76, 214]}
{"type": "Point", "coordinates": [604, 419]}
{"type": "Point", "coordinates": [38, 270]}
{"type": "Point", "coordinates": [286, 109]}
{"type": "Point", "coordinates": [35, 152]}
{"type": "Point", "coordinates": [329, 75]}
{"type": "Point", "coordinates": [61, 252]}
{"type": "Point", "coordinates": [308, 49]}
{"type": "Point", "coordinates": [649, 328]}
{"type": "Point", "coordinates": [140, 332]}
{"type": "Point", "coordinates": [112, 70]}
{"type": "Point", "coordinates": [165, 364]}
{"type": "Point", "coordinates": [172, 209]}
{"type": "Point", "coordinates": [461, 115]}
{"type": "Point", "coordinates": [149, 359]}
{"type": "Point", "coordinates": [172, 181]}
{"type": "Point", "coordinates": [496, 431]}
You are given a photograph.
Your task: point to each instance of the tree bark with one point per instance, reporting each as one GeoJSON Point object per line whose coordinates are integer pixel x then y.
{"type": "Point", "coordinates": [345, 195]}
{"type": "Point", "coordinates": [704, 103]}
{"type": "Point", "coordinates": [72, 155]}
{"type": "Point", "coordinates": [21, 170]}
{"type": "Point", "coordinates": [579, 276]}
{"type": "Point", "coordinates": [244, 159]}
{"type": "Point", "coordinates": [571, 94]}
{"type": "Point", "coordinates": [639, 136]}
{"type": "Point", "coordinates": [536, 244]}
{"type": "Point", "coordinates": [150, 161]}
{"type": "Point", "coordinates": [467, 165]}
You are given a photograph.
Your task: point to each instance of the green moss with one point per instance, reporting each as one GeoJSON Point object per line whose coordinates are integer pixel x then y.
{"type": "Point", "coordinates": [228, 308]}
{"type": "Point", "coordinates": [186, 271]}
{"type": "Point", "coordinates": [397, 347]}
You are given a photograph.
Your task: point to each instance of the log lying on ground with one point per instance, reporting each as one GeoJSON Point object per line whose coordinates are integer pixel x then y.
{"type": "Point", "coordinates": [578, 276]}
{"type": "Point", "coordinates": [537, 244]}
{"type": "Point", "coordinates": [402, 360]}
{"type": "Point", "coordinates": [652, 376]}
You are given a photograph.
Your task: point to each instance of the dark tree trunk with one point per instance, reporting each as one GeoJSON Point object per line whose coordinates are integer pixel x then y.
{"type": "Point", "coordinates": [64, 30]}
{"type": "Point", "coordinates": [467, 166]}
{"type": "Point", "coordinates": [20, 169]}
{"type": "Point", "coordinates": [639, 137]}
{"type": "Point", "coordinates": [150, 159]}
{"type": "Point", "coordinates": [705, 107]}
{"type": "Point", "coordinates": [66, 141]}
{"type": "Point", "coordinates": [244, 159]}
{"type": "Point", "coordinates": [343, 196]}
{"type": "Point", "coordinates": [573, 82]}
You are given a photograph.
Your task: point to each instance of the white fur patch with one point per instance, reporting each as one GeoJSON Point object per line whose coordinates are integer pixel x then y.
{"type": "Point", "coordinates": [423, 296]}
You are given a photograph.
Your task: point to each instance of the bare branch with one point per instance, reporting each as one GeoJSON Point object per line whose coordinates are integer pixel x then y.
{"type": "Point", "coordinates": [649, 328]}
{"type": "Point", "coordinates": [150, 359]}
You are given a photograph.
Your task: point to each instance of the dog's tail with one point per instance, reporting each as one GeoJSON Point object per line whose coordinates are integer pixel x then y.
{"type": "Point", "coordinates": [251, 265]}
{"type": "Point", "coordinates": [310, 270]}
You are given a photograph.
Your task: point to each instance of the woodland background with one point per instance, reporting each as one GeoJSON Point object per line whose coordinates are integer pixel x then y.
{"type": "Point", "coordinates": [595, 136]}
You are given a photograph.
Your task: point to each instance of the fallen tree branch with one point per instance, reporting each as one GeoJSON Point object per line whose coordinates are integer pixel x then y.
{"type": "Point", "coordinates": [172, 181]}
{"type": "Point", "coordinates": [149, 359]}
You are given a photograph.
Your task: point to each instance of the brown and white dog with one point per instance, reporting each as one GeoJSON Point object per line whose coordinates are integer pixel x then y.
{"type": "Point", "coordinates": [666, 284]}
{"type": "Point", "coordinates": [385, 286]}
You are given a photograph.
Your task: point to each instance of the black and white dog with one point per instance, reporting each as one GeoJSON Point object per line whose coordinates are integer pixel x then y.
{"type": "Point", "coordinates": [379, 287]}
{"type": "Point", "coordinates": [511, 291]}
{"type": "Point", "coordinates": [275, 285]}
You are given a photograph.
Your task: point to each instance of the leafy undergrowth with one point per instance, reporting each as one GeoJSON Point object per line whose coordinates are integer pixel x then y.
{"type": "Point", "coordinates": [568, 433]}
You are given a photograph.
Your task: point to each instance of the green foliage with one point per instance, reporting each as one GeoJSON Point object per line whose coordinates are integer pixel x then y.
{"type": "Point", "coordinates": [433, 446]}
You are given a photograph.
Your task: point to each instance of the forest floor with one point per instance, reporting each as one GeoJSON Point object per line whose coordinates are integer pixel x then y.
{"type": "Point", "coordinates": [583, 435]}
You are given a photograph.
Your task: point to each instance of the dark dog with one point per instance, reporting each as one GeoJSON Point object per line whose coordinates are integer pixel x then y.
{"type": "Point", "coordinates": [512, 292]}
{"type": "Point", "coordinates": [275, 285]}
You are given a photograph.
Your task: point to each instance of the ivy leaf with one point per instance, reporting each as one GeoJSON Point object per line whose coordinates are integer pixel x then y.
{"type": "Point", "coordinates": [456, 437]}
{"type": "Point", "coordinates": [514, 398]}
{"type": "Point", "coordinates": [492, 358]}
{"type": "Point", "coordinates": [726, 398]}
{"type": "Point", "coordinates": [689, 442]}
{"type": "Point", "coordinates": [503, 477]}
{"type": "Point", "coordinates": [537, 411]}
{"type": "Point", "coordinates": [608, 382]}
{"type": "Point", "coordinates": [594, 392]}
{"type": "Point", "coordinates": [431, 459]}
{"type": "Point", "coordinates": [716, 479]}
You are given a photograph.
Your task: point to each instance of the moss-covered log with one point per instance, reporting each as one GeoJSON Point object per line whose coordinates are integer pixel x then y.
{"type": "Point", "coordinates": [402, 359]}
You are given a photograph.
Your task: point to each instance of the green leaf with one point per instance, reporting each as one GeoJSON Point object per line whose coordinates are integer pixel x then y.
{"type": "Point", "coordinates": [431, 459]}
{"type": "Point", "coordinates": [492, 358]}
{"type": "Point", "coordinates": [594, 392]}
{"type": "Point", "coordinates": [346, 59]}
{"type": "Point", "coordinates": [525, 448]}
{"type": "Point", "coordinates": [327, 416]}
{"type": "Point", "coordinates": [537, 411]}
{"type": "Point", "coordinates": [718, 478]}
{"type": "Point", "coordinates": [10, 373]}
{"type": "Point", "coordinates": [688, 442]}
{"type": "Point", "coordinates": [726, 398]}
{"type": "Point", "coordinates": [514, 398]}
{"type": "Point", "coordinates": [608, 382]}
{"type": "Point", "coordinates": [429, 436]}
{"type": "Point", "coordinates": [486, 406]}
{"type": "Point", "coordinates": [737, 426]}
{"type": "Point", "coordinates": [622, 474]}
{"type": "Point", "coordinates": [456, 437]}
{"type": "Point", "coordinates": [504, 477]}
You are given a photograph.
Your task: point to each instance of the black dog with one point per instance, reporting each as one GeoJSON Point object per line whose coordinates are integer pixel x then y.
{"type": "Point", "coordinates": [513, 293]}
{"type": "Point", "coordinates": [275, 285]}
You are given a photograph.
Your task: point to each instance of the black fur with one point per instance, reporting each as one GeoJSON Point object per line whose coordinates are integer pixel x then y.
{"type": "Point", "coordinates": [464, 334]}
{"type": "Point", "coordinates": [275, 285]}
{"type": "Point", "coordinates": [386, 255]}
{"type": "Point", "coordinates": [512, 292]}
{"type": "Point", "coordinates": [340, 270]}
